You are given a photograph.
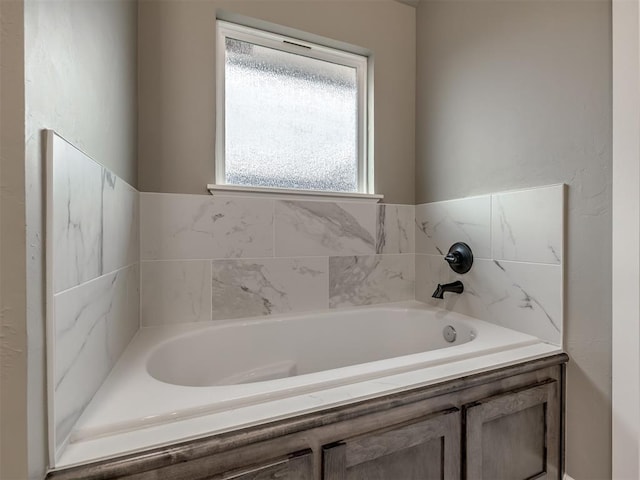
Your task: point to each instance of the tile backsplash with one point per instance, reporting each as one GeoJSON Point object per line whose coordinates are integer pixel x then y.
{"type": "Point", "coordinates": [395, 229]}
{"type": "Point", "coordinates": [222, 257]}
{"type": "Point", "coordinates": [517, 239]}
{"type": "Point", "coordinates": [214, 257]}
{"type": "Point", "coordinates": [242, 288]}
{"type": "Point", "coordinates": [217, 257]}
{"type": "Point", "coordinates": [93, 324]}
{"type": "Point", "coordinates": [181, 227]}
{"type": "Point", "coordinates": [94, 282]}
{"type": "Point", "coordinates": [370, 279]}
{"type": "Point", "coordinates": [526, 225]}
{"type": "Point", "coordinates": [440, 224]}
{"type": "Point", "coordinates": [88, 201]}
{"type": "Point", "coordinates": [324, 228]}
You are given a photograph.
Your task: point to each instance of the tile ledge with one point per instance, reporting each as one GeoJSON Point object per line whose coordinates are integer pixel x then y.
{"type": "Point", "coordinates": [291, 194]}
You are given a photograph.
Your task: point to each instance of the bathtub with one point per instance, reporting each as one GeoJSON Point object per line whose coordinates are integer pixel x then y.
{"type": "Point", "coordinates": [180, 382]}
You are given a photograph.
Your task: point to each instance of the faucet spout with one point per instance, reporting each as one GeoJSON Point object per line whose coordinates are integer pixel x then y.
{"type": "Point", "coordinates": [454, 287]}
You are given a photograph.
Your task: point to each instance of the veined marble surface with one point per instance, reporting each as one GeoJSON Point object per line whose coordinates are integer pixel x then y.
{"type": "Point", "coordinates": [94, 324]}
{"type": "Point", "coordinates": [395, 229]}
{"type": "Point", "coordinates": [527, 225]}
{"type": "Point", "coordinates": [95, 252]}
{"type": "Point", "coordinates": [120, 224]}
{"type": "Point", "coordinates": [517, 240]}
{"type": "Point", "coordinates": [95, 219]}
{"type": "Point", "coordinates": [324, 228]}
{"type": "Point", "coordinates": [440, 224]}
{"type": "Point", "coordinates": [175, 292]}
{"type": "Point", "coordinates": [370, 279]}
{"type": "Point", "coordinates": [245, 288]}
{"type": "Point", "coordinates": [77, 217]}
{"type": "Point", "coordinates": [526, 297]}
{"type": "Point", "coordinates": [181, 227]}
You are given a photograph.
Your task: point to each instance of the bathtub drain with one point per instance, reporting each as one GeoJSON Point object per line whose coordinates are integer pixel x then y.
{"type": "Point", "coordinates": [449, 334]}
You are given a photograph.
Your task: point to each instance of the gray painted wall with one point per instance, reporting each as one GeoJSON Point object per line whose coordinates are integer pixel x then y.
{"type": "Point", "coordinates": [81, 67]}
{"type": "Point", "coordinates": [177, 83]}
{"type": "Point", "coordinates": [516, 94]}
{"type": "Point", "coordinates": [14, 438]}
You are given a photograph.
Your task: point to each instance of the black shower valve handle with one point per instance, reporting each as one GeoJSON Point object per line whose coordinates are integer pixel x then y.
{"type": "Point", "coordinates": [452, 258]}
{"type": "Point", "coordinates": [460, 257]}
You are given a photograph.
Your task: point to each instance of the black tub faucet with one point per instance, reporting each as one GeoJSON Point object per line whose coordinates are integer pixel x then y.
{"type": "Point", "coordinates": [454, 287]}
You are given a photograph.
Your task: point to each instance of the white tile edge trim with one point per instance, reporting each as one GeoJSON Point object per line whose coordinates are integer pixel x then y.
{"type": "Point", "coordinates": [501, 192]}
{"type": "Point", "coordinates": [291, 194]}
{"type": "Point", "coordinates": [49, 293]}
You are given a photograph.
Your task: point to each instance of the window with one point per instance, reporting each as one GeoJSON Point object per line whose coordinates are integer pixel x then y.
{"type": "Point", "coordinates": [291, 115]}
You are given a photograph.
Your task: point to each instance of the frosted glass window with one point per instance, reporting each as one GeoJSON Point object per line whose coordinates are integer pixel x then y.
{"type": "Point", "coordinates": [290, 120]}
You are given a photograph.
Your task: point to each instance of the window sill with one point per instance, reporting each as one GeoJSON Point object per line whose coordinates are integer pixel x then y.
{"type": "Point", "coordinates": [290, 194]}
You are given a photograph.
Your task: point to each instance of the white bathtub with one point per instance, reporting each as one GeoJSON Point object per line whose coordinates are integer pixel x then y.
{"type": "Point", "coordinates": [281, 347]}
{"type": "Point", "coordinates": [184, 381]}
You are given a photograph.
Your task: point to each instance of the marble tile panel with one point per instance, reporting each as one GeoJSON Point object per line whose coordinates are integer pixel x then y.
{"type": "Point", "coordinates": [183, 227]}
{"type": "Point", "coordinates": [175, 292]}
{"type": "Point", "coordinates": [526, 297]}
{"type": "Point", "coordinates": [440, 224]}
{"type": "Point", "coordinates": [94, 322]}
{"type": "Point", "coordinates": [247, 288]}
{"type": "Point", "coordinates": [527, 225]}
{"type": "Point", "coordinates": [305, 228]}
{"type": "Point", "coordinates": [121, 240]}
{"type": "Point", "coordinates": [370, 279]}
{"type": "Point", "coordinates": [77, 217]}
{"type": "Point", "coordinates": [125, 321]}
{"type": "Point", "coordinates": [395, 226]}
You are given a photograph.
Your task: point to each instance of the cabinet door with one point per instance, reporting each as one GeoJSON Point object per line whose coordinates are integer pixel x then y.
{"type": "Point", "coordinates": [297, 466]}
{"type": "Point", "coordinates": [515, 436]}
{"type": "Point", "coordinates": [428, 448]}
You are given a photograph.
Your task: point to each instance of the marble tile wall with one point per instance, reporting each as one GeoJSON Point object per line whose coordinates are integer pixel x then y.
{"type": "Point", "coordinates": [517, 239]}
{"type": "Point", "coordinates": [367, 279]}
{"type": "Point", "coordinates": [214, 257]}
{"type": "Point", "coordinates": [94, 289]}
{"type": "Point", "coordinates": [94, 324]}
{"type": "Point", "coordinates": [89, 200]}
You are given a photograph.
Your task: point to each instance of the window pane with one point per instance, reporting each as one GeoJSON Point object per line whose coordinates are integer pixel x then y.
{"type": "Point", "coordinates": [290, 120]}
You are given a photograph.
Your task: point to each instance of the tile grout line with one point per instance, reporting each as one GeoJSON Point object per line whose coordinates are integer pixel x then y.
{"type": "Point", "coordinates": [113, 272]}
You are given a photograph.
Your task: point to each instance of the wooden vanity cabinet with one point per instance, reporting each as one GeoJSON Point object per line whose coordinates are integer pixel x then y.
{"type": "Point", "coordinates": [500, 425]}
{"type": "Point", "coordinates": [514, 435]}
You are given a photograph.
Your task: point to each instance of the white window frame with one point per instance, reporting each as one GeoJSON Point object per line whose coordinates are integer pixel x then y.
{"type": "Point", "coordinates": [299, 47]}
